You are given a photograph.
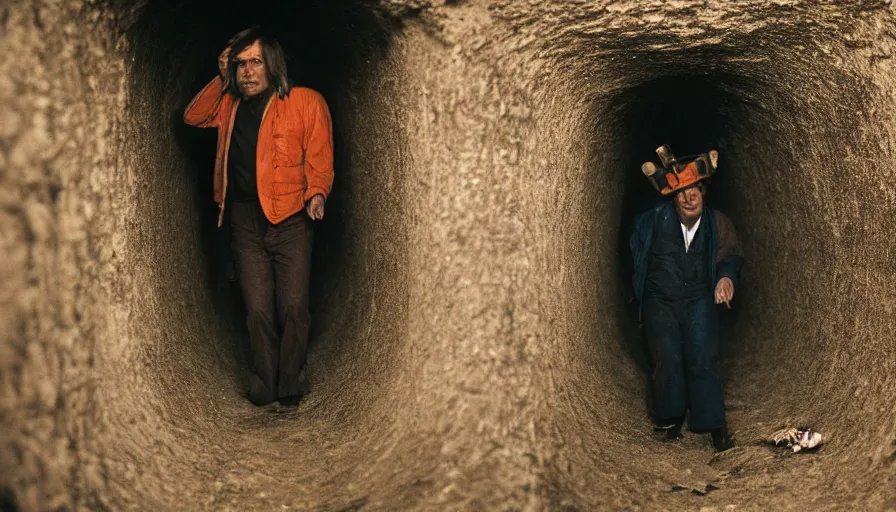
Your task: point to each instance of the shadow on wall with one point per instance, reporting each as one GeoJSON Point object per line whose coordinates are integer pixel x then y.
{"type": "Point", "coordinates": [329, 46]}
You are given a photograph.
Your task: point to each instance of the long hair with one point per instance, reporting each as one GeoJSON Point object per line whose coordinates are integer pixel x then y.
{"type": "Point", "coordinates": [274, 60]}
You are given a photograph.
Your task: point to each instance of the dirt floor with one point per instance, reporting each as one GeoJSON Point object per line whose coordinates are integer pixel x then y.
{"type": "Point", "coordinates": [473, 346]}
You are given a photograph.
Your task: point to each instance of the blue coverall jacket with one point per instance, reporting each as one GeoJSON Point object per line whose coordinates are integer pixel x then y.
{"type": "Point", "coordinates": [726, 255]}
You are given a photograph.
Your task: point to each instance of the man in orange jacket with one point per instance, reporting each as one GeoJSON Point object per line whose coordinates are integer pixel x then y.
{"type": "Point", "coordinates": [274, 171]}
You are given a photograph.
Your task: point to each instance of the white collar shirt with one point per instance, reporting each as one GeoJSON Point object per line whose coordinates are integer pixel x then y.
{"type": "Point", "coordinates": [689, 234]}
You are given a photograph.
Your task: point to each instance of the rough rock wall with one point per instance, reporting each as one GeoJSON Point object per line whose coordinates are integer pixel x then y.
{"type": "Point", "coordinates": [61, 112]}
{"type": "Point", "coordinates": [471, 349]}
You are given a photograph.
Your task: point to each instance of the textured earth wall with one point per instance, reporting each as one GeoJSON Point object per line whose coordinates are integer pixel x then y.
{"type": "Point", "coordinates": [472, 346]}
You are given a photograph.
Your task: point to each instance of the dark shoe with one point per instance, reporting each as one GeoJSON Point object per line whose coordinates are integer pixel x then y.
{"type": "Point", "coordinates": [674, 433]}
{"type": "Point", "coordinates": [721, 441]}
{"type": "Point", "coordinates": [290, 401]}
{"type": "Point", "coordinates": [670, 427]}
{"type": "Point", "coordinates": [259, 401]}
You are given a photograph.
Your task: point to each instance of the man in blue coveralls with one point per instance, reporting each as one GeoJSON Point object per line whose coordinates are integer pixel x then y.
{"type": "Point", "coordinates": [687, 260]}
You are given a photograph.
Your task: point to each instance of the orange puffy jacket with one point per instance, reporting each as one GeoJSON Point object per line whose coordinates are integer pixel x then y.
{"type": "Point", "coordinates": [294, 157]}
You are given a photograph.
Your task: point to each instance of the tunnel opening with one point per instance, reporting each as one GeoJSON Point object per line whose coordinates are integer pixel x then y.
{"type": "Point", "coordinates": [710, 99]}
{"type": "Point", "coordinates": [776, 116]}
{"type": "Point", "coordinates": [182, 350]}
{"type": "Point", "coordinates": [692, 113]}
{"type": "Point", "coordinates": [184, 354]}
{"type": "Point", "coordinates": [329, 47]}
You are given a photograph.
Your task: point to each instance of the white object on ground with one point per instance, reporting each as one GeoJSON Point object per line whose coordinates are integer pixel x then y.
{"type": "Point", "coordinates": [797, 439]}
{"type": "Point", "coordinates": [807, 440]}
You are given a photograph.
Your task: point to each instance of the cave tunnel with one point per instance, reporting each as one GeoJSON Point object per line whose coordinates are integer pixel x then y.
{"type": "Point", "coordinates": [325, 45]}
{"type": "Point", "coordinates": [688, 112]}
{"type": "Point", "coordinates": [472, 346]}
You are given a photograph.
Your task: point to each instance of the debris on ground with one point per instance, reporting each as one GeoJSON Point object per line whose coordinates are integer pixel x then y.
{"type": "Point", "coordinates": [699, 490]}
{"type": "Point", "coordinates": [796, 438]}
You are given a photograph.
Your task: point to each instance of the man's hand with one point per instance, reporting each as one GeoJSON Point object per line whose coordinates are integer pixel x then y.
{"type": "Point", "coordinates": [315, 207]}
{"type": "Point", "coordinates": [222, 62]}
{"type": "Point", "coordinates": [725, 291]}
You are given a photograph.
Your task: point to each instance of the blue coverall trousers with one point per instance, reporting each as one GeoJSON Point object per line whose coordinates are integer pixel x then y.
{"type": "Point", "coordinates": [683, 339]}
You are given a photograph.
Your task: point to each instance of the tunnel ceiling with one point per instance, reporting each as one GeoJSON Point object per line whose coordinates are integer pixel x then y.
{"type": "Point", "coordinates": [471, 342]}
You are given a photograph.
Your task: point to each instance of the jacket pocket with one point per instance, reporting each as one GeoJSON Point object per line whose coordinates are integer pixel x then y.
{"type": "Point", "coordinates": [288, 189]}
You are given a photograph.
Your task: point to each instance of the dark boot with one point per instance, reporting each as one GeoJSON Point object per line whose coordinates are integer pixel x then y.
{"type": "Point", "coordinates": [304, 387]}
{"type": "Point", "coordinates": [721, 441]}
{"type": "Point", "coordinates": [674, 433]}
{"type": "Point", "coordinates": [671, 427]}
{"type": "Point", "coordinates": [290, 401]}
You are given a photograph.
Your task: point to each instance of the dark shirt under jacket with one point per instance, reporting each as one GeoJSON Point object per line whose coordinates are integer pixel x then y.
{"type": "Point", "coordinates": [675, 273]}
{"type": "Point", "coordinates": [242, 185]}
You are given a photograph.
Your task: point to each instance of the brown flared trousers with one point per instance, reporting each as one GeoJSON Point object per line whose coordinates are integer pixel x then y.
{"type": "Point", "coordinates": [273, 265]}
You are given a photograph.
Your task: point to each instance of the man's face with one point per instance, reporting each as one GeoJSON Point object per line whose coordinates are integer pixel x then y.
{"type": "Point", "coordinates": [689, 205]}
{"type": "Point", "coordinates": [251, 71]}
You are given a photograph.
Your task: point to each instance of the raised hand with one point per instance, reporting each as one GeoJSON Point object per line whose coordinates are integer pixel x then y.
{"type": "Point", "coordinates": [222, 62]}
